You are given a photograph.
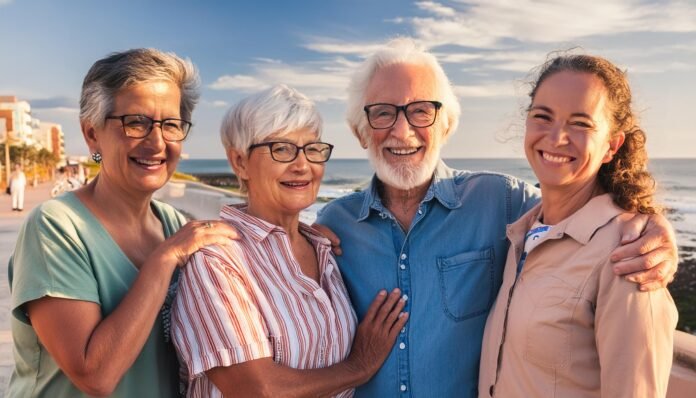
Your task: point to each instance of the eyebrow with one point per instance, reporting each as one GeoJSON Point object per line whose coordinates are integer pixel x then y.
{"type": "Point", "coordinates": [549, 110]}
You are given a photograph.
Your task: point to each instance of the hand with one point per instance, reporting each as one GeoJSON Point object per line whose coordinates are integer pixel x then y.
{"type": "Point", "coordinates": [331, 236]}
{"type": "Point", "coordinates": [194, 236]}
{"type": "Point", "coordinates": [649, 259]}
{"type": "Point", "coordinates": [377, 332]}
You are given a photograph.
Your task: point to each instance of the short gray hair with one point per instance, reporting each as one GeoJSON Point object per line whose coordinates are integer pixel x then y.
{"type": "Point", "coordinates": [399, 51]}
{"type": "Point", "coordinates": [278, 110]}
{"type": "Point", "coordinates": [124, 69]}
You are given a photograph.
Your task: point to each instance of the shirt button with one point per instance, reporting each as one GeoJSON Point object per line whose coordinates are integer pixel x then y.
{"type": "Point", "coordinates": [405, 297]}
{"type": "Point", "coordinates": [402, 266]}
{"type": "Point", "coordinates": [403, 387]}
{"type": "Point", "coordinates": [403, 256]}
{"type": "Point", "coordinates": [403, 329]}
{"type": "Point", "coordinates": [402, 345]}
{"type": "Point", "coordinates": [420, 211]}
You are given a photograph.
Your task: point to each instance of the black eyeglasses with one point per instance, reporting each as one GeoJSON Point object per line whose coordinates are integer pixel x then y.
{"type": "Point", "coordinates": [140, 126]}
{"type": "Point", "coordinates": [286, 152]}
{"type": "Point", "coordinates": [418, 114]}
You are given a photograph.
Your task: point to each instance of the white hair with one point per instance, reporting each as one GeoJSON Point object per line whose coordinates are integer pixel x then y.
{"type": "Point", "coordinates": [278, 110]}
{"type": "Point", "coordinates": [399, 51]}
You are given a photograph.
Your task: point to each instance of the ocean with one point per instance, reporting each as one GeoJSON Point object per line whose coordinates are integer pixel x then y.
{"type": "Point", "coordinates": [676, 179]}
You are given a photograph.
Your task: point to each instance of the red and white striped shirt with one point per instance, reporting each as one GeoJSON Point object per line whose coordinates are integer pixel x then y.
{"type": "Point", "coordinates": [249, 299]}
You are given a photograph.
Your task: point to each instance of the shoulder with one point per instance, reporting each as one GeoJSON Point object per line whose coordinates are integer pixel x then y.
{"type": "Point", "coordinates": [169, 214]}
{"type": "Point", "coordinates": [348, 204]}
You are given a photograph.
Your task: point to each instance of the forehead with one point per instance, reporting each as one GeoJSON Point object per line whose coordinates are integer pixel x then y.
{"type": "Point", "coordinates": [574, 91]}
{"type": "Point", "coordinates": [146, 96]}
{"type": "Point", "coordinates": [402, 83]}
{"type": "Point", "coordinates": [296, 136]}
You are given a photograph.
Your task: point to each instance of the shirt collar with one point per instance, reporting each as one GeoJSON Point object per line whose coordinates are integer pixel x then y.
{"type": "Point", "coordinates": [442, 188]}
{"type": "Point", "coordinates": [258, 229]}
{"type": "Point", "coordinates": [580, 225]}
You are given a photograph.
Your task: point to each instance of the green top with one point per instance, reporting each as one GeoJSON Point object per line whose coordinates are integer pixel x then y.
{"type": "Point", "coordinates": [63, 251]}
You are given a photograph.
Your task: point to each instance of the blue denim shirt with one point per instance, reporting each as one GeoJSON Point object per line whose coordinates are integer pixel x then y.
{"type": "Point", "coordinates": [449, 264]}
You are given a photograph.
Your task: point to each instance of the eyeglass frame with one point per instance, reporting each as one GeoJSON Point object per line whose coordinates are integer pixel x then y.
{"type": "Point", "coordinates": [401, 108]}
{"type": "Point", "coordinates": [152, 125]}
{"type": "Point", "coordinates": [297, 150]}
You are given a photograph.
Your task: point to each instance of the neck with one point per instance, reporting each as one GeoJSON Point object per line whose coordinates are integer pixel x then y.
{"type": "Point", "coordinates": [559, 204]}
{"type": "Point", "coordinates": [289, 222]}
{"type": "Point", "coordinates": [403, 203]}
{"type": "Point", "coordinates": [116, 203]}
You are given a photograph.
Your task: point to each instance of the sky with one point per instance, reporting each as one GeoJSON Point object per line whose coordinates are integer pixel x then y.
{"type": "Point", "coordinates": [487, 48]}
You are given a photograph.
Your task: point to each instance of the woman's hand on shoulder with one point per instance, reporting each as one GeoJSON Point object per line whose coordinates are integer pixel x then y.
{"type": "Point", "coordinates": [192, 237]}
{"type": "Point", "coordinates": [377, 332]}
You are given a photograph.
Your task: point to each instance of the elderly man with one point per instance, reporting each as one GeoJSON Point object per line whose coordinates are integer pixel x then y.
{"type": "Point", "coordinates": [436, 233]}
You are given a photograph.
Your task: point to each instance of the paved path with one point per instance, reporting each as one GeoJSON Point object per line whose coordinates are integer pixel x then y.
{"type": "Point", "coordinates": [10, 222]}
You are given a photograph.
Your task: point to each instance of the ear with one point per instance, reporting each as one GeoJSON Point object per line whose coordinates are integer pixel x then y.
{"type": "Point", "coordinates": [90, 134]}
{"type": "Point", "coordinates": [614, 144]}
{"type": "Point", "coordinates": [363, 141]}
{"type": "Point", "coordinates": [239, 162]}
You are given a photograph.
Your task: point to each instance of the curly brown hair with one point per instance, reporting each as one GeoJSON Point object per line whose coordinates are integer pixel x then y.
{"type": "Point", "coordinates": [625, 176]}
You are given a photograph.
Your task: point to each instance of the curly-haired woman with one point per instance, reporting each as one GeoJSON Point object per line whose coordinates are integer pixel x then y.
{"type": "Point", "coordinates": [564, 325]}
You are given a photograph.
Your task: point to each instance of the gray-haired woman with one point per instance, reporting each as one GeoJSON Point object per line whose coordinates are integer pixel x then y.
{"type": "Point", "coordinates": [92, 268]}
{"type": "Point", "coordinates": [269, 315]}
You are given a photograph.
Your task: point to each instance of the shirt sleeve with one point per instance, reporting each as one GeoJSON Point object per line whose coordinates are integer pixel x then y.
{"type": "Point", "coordinates": [50, 260]}
{"type": "Point", "coordinates": [634, 332]}
{"type": "Point", "coordinates": [523, 197]}
{"type": "Point", "coordinates": [216, 319]}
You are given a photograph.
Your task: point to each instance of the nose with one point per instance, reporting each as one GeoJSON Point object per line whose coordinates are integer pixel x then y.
{"type": "Point", "coordinates": [155, 138]}
{"type": "Point", "coordinates": [401, 128]}
{"type": "Point", "coordinates": [558, 134]}
{"type": "Point", "coordinates": [300, 163]}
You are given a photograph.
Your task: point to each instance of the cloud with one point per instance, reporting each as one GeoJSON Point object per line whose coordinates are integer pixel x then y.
{"type": "Point", "coordinates": [436, 8]}
{"type": "Point", "coordinates": [320, 80]}
{"type": "Point", "coordinates": [486, 90]}
{"type": "Point", "coordinates": [5, 2]}
{"type": "Point", "coordinates": [490, 23]}
{"type": "Point", "coordinates": [334, 46]}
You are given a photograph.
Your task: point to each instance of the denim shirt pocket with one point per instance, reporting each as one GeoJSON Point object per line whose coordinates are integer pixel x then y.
{"type": "Point", "coordinates": [466, 283]}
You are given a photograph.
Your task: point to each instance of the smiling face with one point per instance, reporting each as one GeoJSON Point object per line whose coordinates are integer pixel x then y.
{"type": "Point", "coordinates": [140, 165]}
{"type": "Point", "coordinates": [277, 188]}
{"type": "Point", "coordinates": [404, 156]}
{"type": "Point", "coordinates": [569, 133]}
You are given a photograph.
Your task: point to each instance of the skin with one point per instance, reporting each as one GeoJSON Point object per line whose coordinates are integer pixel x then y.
{"type": "Point", "coordinates": [277, 192]}
{"type": "Point", "coordinates": [648, 255]}
{"type": "Point", "coordinates": [95, 351]}
{"type": "Point", "coordinates": [568, 137]}
{"type": "Point", "coordinates": [403, 146]}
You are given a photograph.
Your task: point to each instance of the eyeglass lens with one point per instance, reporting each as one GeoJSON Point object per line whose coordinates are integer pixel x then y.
{"type": "Point", "coordinates": [139, 126]}
{"type": "Point", "coordinates": [418, 114]}
{"type": "Point", "coordinates": [317, 152]}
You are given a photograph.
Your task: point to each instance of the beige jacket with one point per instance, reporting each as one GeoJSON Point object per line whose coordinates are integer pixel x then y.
{"type": "Point", "coordinates": [568, 327]}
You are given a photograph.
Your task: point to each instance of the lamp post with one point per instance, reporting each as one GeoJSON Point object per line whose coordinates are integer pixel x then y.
{"type": "Point", "coordinates": [5, 134]}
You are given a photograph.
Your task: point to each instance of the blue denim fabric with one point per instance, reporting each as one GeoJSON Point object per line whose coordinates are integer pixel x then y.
{"type": "Point", "coordinates": [449, 264]}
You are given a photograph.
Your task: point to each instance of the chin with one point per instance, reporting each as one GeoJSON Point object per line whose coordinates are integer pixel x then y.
{"type": "Point", "coordinates": [404, 175]}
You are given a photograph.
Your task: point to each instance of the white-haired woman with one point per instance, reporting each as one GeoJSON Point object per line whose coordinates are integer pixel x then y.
{"type": "Point", "coordinates": [269, 315]}
{"type": "Point", "coordinates": [92, 268]}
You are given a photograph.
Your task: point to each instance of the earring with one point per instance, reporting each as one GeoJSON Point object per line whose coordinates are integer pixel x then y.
{"type": "Point", "coordinates": [96, 156]}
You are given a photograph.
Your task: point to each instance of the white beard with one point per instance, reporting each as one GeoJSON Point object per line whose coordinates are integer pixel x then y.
{"type": "Point", "coordinates": [403, 175]}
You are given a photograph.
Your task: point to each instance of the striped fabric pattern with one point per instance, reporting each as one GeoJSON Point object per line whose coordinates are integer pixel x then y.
{"type": "Point", "coordinates": [249, 299]}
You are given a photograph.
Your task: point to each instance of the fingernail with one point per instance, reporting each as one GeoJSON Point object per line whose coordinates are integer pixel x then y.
{"type": "Point", "coordinates": [396, 290]}
{"type": "Point", "coordinates": [382, 292]}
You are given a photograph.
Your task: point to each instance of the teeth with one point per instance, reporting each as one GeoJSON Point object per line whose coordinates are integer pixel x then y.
{"type": "Point", "coordinates": [148, 162]}
{"type": "Point", "coordinates": [556, 159]}
{"type": "Point", "coordinates": [296, 184]}
{"type": "Point", "coordinates": [403, 151]}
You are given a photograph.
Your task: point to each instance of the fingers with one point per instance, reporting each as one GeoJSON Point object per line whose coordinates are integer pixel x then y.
{"type": "Point", "coordinates": [375, 306]}
{"type": "Point", "coordinates": [632, 229]}
{"type": "Point", "coordinates": [646, 262]}
{"type": "Point", "coordinates": [331, 236]}
{"type": "Point", "coordinates": [659, 276]}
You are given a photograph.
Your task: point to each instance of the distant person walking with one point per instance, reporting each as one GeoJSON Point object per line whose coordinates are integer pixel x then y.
{"type": "Point", "coordinates": [18, 182]}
